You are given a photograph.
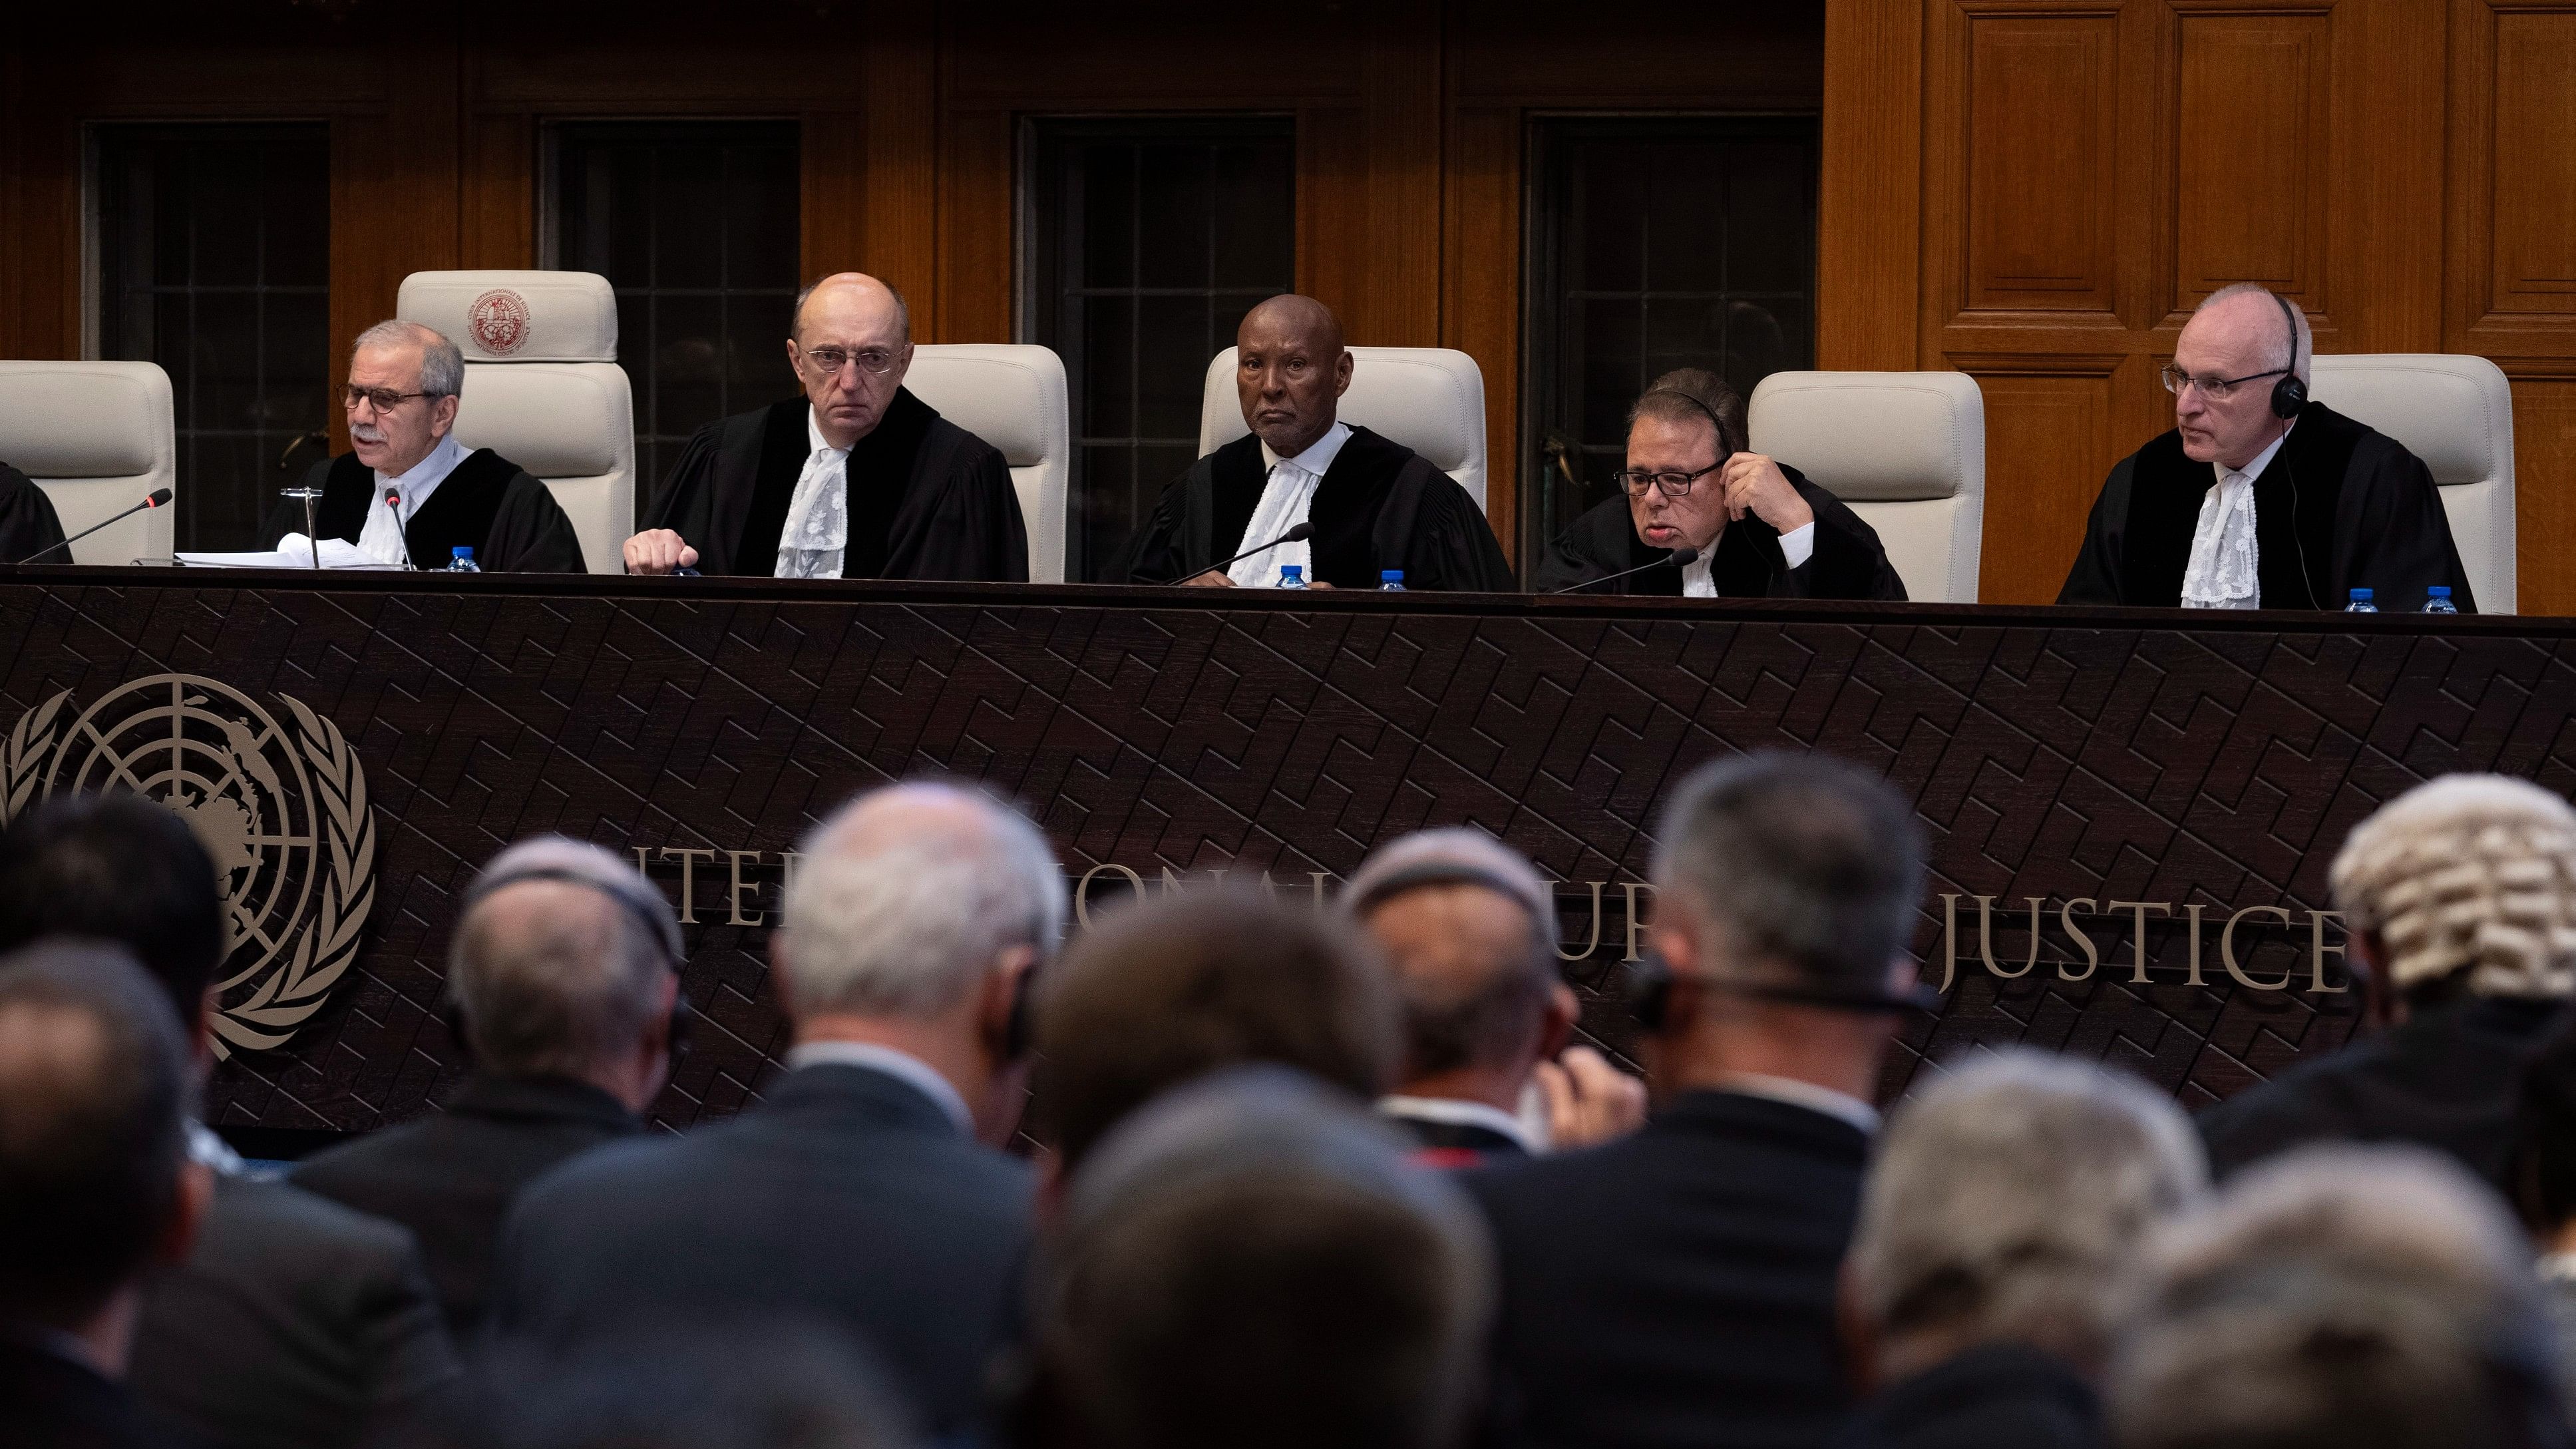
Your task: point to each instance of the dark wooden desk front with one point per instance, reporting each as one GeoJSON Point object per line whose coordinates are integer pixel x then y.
{"type": "Point", "coordinates": [2206, 768]}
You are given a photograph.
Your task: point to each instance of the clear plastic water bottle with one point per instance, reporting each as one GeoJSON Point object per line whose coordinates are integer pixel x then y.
{"type": "Point", "coordinates": [2361, 603]}
{"type": "Point", "coordinates": [1390, 581]}
{"type": "Point", "coordinates": [462, 562]}
{"type": "Point", "coordinates": [1292, 576]}
{"type": "Point", "coordinates": [2437, 600]}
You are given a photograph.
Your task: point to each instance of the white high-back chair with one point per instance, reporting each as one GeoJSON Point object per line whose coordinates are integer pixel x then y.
{"type": "Point", "coordinates": [543, 388]}
{"type": "Point", "coordinates": [1905, 450]}
{"type": "Point", "coordinates": [1430, 399]}
{"type": "Point", "coordinates": [97, 437]}
{"type": "Point", "coordinates": [1012, 397]}
{"type": "Point", "coordinates": [2455, 413]}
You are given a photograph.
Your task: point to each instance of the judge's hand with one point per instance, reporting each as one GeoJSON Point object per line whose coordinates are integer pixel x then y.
{"type": "Point", "coordinates": [1754, 484]}
{"type": "Point", "coordinates": [1212, 579]}
{"type": "Point", "coordinates": [658, 551]}
{"type": "Point", "coordinates": [1589, 1101]}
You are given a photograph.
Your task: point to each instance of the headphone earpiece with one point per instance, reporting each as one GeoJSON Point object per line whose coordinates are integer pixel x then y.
{"type": "Point", "coordinates": [2289, 393]}
{"type": "Point", "coordinates": [1650, 990]}
{"type": "Point", "coordinates": [1019, 1029]}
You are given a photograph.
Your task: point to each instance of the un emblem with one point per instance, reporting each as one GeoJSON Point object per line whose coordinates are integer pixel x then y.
{"type": "Point", "coordinates": [282, 810]}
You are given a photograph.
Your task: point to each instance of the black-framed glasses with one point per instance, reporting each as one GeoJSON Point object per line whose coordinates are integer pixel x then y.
{"type": "Point", "coordinates": [2215, 389]}
{"type": "Point", "coordinates": [828, 361]}
{"type": "Point", "coordinates": [384, 399]}
{"type": "Point", "coordinates": [1635, 484]}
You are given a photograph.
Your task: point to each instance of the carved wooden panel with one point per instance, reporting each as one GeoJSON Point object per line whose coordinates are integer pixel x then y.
{"type": "Point", "coordinates": [2535, 162]}
{"type": "Point", "coordinates": [2251, 124]}
{"type": "Point", "coordinates": [2042, 153]}
{"type": "Point", "coordinates": [2048, 423]}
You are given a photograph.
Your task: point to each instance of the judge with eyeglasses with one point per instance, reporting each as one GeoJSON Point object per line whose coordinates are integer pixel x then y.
{"type": "Point", "coordinates": [855, 479]}
{"type": "Point", "coordinates": [2260, 498]}
{"type": "Point", "coordinates": [1703, 517]}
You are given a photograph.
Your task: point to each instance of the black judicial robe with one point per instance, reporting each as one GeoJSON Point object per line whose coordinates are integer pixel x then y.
{"type": "Point", "coordinates": [28, 523]}
{"type": "Point", "coordinates": [1848, 563]}
{"type": "Point", "coordinates": [1380, 506]}
{"type": "Point", "coordinates": [2340, 507]}
{"type": "Point", "coordinates": [928, 499]}
{"type": "Point", "coordinates": [489, 504]}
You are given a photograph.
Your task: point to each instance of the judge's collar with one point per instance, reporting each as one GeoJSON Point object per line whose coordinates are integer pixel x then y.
{"type": "Point", "coordinates": [1317, 459]}
{"type": "Point", "coordinates": [814, 439]}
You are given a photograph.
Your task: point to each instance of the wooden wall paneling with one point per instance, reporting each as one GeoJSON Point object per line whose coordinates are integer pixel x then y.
{"type": "Point", "coordinates": [2251, 129]}
{"type": "Point", "coordinates": [879, 210]}
{"type": "Point", "coordinates": [497, 191]}
{"type": "Point", "coordinates": [2533, 266]}
{"type": "Point", "coordinates": [2042, 114]}
{"type": "Point", "coordinates": [1869, 204]}
{"type": "Point", "coordinates": [1480, 287]}
{"type": "Point", "coordinates": [2544, 460]}
{"type": "Point", "coordinates": [978, 213]}
{"type": "Point", "coordinates": [2048, 420]}
{"type": "Point", "coordinates": [1369, 188]}
{"type": "Point", "coordinates": [40, 205]}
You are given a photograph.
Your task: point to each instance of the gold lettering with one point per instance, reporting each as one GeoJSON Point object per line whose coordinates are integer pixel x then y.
{"type": "Point", "coordinates": [1319, 877]}
{"type": "Point", "coordinates": [1082, 892]}
{"type": "Point", "coordinates": [1949, 941]}
{"type": "Point", "coordinates": [1636, 919]}
{"type": "Point", "coordinates": [641, 866]}
{"type": "Point", "coordinates": [1986, 937]}
{"type": "Point", "coordinates": [735, 885]}
{"type": "Point", "coordinates": [1171, 882]}
{"type": "Point", "coordinates": [1598, 886]}
{"type": "Point", "coordinates": [2227, 949]}
{"type": "Point", "coordinates": [2194, 911]}
{"type": "Point", "coordinates": [2317, 951]}
{"type": "Point", "coordinates": [2084, 943]}
{"type": "Point", "coordinates": [688, 858]}
{"type": "Point", "coordinates": [786, 877]}
{"type": "Point", "coordinates": [2138, 910]}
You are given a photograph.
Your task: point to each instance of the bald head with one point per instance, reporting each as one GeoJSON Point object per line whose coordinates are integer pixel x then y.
{"type": "Point", "coordinates": [1290, 372]}
{"type": "Point", "coordinates": [851, 344]}
{"type": "Point", "coordinates": [852, 299]}
{"type": "Point", "coordinates": [1468, 929]}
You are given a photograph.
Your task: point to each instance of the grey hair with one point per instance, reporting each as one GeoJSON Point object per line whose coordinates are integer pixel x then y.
{"type": "Point", "coordinates": [2338, 1295]}
{"type": "Point", "coordinates": [1799, 862]}
{"type": "Point", "coordinates": [558, 992]}
{"type": "Point", "coordinates": [2467, 873]}
{"type": "Point", "coordinates": [2307, 341]}
{"type": "Point", "coordinates": [1693, 395]}
{"type": "Point", "coordinates": [906, 895]}
{"type": "Point", "coordinates": [1446, 1027]}
{"type": "Point", "coordinates": [902, 308]}
{"type": "Point", "coordinates": [442, 367]}
{"type": "Point", "coordinates": [2008, 1197]}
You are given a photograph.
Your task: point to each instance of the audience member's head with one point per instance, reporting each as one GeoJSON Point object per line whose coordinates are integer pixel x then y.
{"type": "Point", "coordinates": [2464, 885]}
{"type": "Point", "coordinates": [1251, 1261]}
{"type": "Point", "coordinates": [915, 918]}
{"type": "Point", "coordinates": [117, 868]}
{"type": "Point", "coordinates": [1469, 932]}
{"type": "Point", "coordinates": [2338, 1298]}
{"type": "Point", "coordinates": [95, 1080]}
{"type": "Point", "coordinates": [1786, 886]}
{"type": "Point", "coordinates": [759, 1384]}
{"type": "Point", "coordinates": [564, 966]}
{"type": "Point", "coordinates": [2005, 1205]}
{"type": "Point", "coordinates": [1168, 990]}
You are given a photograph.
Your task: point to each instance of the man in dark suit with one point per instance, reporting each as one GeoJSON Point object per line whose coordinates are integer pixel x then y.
{"type": "Point", "coordinates": [861, 1189]}
{"type": "Point", "coordinates": [95, 1186]}
{"type": "Point", "coordinates": [563, 977]}
{"type": "Point", "coordinates": [1470, 936]}
{"type": "Point", "coordinates": [1676, 1287]}
{"type": "Point", "coordinates": [293, 1321]}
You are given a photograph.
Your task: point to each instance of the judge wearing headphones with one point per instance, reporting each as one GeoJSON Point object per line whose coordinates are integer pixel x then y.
{"type": "Point", "coordinates": [2259, 498]}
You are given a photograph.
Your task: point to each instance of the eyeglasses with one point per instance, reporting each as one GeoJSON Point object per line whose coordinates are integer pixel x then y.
{"type": "Point", "coordinates": [828, 361]}
{"type": "Point", "coordinates": [385, 399]}
{"type": "Point", "coordinates": [2215, 389]}
{"type": "Point", "coordinates": [1635, 484]}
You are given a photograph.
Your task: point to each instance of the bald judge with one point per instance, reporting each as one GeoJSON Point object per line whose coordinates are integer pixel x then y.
{"type": "Point", "coordinates": [1374, 504]}
{"type": "Point", "coordinates": [857, 479]}
{"type": "Point", "coordinates": [2259, 498]}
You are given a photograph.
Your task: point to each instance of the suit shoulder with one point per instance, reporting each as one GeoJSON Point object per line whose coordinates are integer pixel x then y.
{"type": "Point", "coordinates": [250, 1215]}
{"type": "Point", "coordinates": [952, 451]}
{"type": "Point", "coordinates": [361, 1157]}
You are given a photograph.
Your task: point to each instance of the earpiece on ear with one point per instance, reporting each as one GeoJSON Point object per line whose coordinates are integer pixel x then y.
{"type": "Point", "coordinates": [1650, 990]}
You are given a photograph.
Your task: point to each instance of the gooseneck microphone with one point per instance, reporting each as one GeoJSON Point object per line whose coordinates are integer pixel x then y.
{"type": "Point", "coordinates": [1679, 558]}
{"type": "Point", "coordinates": [1299, 534]}
{"type": "Point", "coordinates": [159, 497]}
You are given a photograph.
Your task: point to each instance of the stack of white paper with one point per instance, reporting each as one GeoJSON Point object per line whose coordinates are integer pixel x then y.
{"type": "Point", "coordinates": [292, 552]}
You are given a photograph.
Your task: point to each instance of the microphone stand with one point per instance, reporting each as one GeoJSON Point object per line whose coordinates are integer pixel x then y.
{"type": "Point", "coordinates": [1682, 557]}
{"type": "Point", "coordinates": [1298, 534]}
{"type": "Point", "coordinates": [159, 497]}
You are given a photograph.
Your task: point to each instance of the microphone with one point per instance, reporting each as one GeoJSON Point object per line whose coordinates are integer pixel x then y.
{"type": "Point", "coordinates": [1682, 557]}
{"type": "Point", "coordinates": [1299, 534]}
{"type": "Point", "coordinates": [159, 497]}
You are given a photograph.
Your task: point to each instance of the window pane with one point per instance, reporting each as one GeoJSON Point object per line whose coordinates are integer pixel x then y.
{"type": "Point", "coordinates": [1656, 245]}
{"type": "Point", "coordinates": [695, 225]}
{"type": "Point", "coordinates": [214, 247]}
{"type": "Point", "coordinates": [1151, 240]}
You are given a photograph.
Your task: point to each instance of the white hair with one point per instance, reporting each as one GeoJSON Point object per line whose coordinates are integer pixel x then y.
{"type": "Point", "coordinates": [2307, 339]}
{"type": "Point", "coordinates": [2008, 1195]}
{"type": "Point", "coordinates": [2471, 873]}
{"type": "Point", "coordinates": [442, 367]}
{"type": "Point", "coordinates": [906, 895]}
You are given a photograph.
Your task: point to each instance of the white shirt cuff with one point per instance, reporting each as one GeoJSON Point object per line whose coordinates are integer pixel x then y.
{"type": "Point", "coordinates": [1799, 544]}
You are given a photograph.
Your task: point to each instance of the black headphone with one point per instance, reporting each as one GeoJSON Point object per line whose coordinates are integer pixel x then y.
{"type": "Point", "coordinates": [1020, 1029]}
{"type": "Point", "coordinates": [1650, 994]}
{"type": "Point", "coordinates": [647, 909]}
{"type": "Point", "coordinates": [2289, 394]}
{"type": "Point", "coordinates": [1725, 448]}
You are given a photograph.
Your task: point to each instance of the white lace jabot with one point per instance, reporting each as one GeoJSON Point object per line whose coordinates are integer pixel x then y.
{"type": "Point", "coordinates": [2226, 567]}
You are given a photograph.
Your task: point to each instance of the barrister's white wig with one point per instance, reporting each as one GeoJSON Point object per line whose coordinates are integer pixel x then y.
{"type": "Point", "coordinates": [2471, 873]}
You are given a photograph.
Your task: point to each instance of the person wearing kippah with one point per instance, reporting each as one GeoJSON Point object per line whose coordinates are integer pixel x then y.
{"type": "Point", "coordinates": [2460, 896]}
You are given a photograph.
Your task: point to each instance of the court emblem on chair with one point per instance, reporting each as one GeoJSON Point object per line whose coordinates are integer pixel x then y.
{"type": "Point", "coordinates": [499, 319]}
{"type": "Point", "coordinates": [282, 808]}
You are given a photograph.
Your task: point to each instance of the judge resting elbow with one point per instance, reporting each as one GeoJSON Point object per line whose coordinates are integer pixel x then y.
{"type": "Point", "coordinates": [856, 478]}
{"type": "Point", "coordinates": [1705, 518]}
{"type": "Point", "coordinates": [2260, 498]}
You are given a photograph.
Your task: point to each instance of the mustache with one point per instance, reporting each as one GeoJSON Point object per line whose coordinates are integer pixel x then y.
{"type": "Point", "coordinates": [366, 433]}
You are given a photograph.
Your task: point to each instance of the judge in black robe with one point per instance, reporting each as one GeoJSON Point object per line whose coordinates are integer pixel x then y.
{"type": "Point", "coordinates": [28, 524]}
{"type": "Point", "coordinates": [488, 504]}
{"type": "Point", "coordinates": [1379, 506]}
